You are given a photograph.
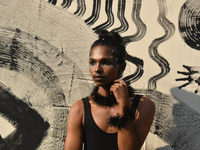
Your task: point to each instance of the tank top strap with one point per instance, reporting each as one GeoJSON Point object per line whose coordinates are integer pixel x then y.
{"type": "Point", "coordinates": [136, 101]}
{"type": "Point", "coordinates": [86, 103]}
{"type": "Point", "coordinates": [88, 114]}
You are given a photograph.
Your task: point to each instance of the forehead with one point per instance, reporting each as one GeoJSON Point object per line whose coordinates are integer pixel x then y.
{"type": "Point", "coordinates": [100, 51]}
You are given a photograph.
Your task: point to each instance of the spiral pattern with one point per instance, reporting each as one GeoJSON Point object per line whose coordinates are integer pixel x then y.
{"type": "Point", "coordinates": [189, 23]}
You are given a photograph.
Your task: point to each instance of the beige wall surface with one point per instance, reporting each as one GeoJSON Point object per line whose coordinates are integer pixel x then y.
{"type": "Point", "coordinates": [44, 49]}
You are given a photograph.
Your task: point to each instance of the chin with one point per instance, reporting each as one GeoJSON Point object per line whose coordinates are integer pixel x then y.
{"type": "Point", "coordinates": [102, 84]}
{"type": "Point", "coordinates": [99, 84]}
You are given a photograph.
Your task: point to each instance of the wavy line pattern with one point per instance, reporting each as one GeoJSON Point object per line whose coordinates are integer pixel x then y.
{"type": "Point", "coordinates": [169, 29]}
{"type": "Point", "coordinates": [141, 27]}
{"type": "Point", "coordinates": [66, 3]}
{"type": "Point", "coordinates": [140, 33]}
{"type": "Point", "coordinates": [81, 7]}
{"type": "Point", "coordinates": [110, 19]}
{"type": "Point", "coordinates": [139, 71]}
{"type": "Point", "coordinates": [95, 13]}
{"type": "Point", "coordinates": [120, 14]}
{"type": "Point", "coordinates": [54, 2]}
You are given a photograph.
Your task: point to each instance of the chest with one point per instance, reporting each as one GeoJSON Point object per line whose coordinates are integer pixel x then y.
{"type": "Point", "coordinates": [101, 117]}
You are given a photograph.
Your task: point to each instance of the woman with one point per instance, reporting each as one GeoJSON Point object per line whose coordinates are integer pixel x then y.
{"type": "Point", "coordinates": [112, 117]}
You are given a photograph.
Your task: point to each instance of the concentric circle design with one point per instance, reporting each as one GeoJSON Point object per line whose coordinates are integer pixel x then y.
{"type": "Point", "coordinates": [43, 71]}
{"type": "Point", "coordinates": [189, 23]}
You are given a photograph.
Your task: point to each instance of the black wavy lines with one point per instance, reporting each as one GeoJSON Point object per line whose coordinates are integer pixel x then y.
{"type": "Point", "coordinates": [141, 27]}
{"type": "Point", "coordinates": [120, 14]}
{"type": "Point", "coordinates": [141, 31]}
{"type": "Point", "coordinates": [153, 52]}
{"type": "Point", "coordinates": [110, 19]}
{"type": "Point", "coordinates": [81, 7]}
{"type": "Point", "coordinates": [66, 3]}
{"type": "Point", "coordinates": [139, 71]}
{"type": "Point", "coordinates": [54, 2]}
{"type": "Point", "coordinates": [95, 13]}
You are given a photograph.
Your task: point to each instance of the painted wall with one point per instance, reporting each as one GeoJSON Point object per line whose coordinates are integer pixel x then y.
{"type": "Point", "coordinates": [44, 47]}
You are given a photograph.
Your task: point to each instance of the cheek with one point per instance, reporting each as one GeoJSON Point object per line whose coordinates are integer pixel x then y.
{"type": "Point", "coordinates": [91, 69]}
{"type": "Point", "coordinates": [113, 73]}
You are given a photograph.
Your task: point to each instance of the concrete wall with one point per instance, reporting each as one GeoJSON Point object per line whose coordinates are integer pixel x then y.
{"type": "Point", "coordinates": [44, 51]}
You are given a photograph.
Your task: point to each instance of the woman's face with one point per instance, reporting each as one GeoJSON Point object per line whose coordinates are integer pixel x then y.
{"type": "Point", "coordinates": [103, 66]}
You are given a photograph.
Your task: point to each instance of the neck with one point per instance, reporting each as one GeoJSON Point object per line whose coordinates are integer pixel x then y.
{"type": "Point", "coordinates": [101, 100]}
{"type": "Point", "coordinates": [102, 96]}
{"type": "Point", "coordinates": [104, 91]}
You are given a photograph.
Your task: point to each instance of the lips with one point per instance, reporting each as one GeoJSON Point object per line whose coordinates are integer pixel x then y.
{"type": "Point", "coordinates": [99, 78]}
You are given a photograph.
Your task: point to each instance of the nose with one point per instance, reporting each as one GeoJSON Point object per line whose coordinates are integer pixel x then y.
{"type": "Point", "coordinates": [98, 68]}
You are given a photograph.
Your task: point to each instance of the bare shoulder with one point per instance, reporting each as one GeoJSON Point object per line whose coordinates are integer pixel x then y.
{"type": "Point", "coordinates": [77, 109]}
{"type": "Point", "coordinates": [144, 118]}
{"type": "Point", "coordinates": [146, 102]}
{"type": "Point", "coordinates": [146, 105]}
{"type": "Point", "coordinates": [74, 135]}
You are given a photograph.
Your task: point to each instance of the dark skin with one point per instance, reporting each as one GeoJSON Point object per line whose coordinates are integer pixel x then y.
{"type": "Point", "coordinates": [106, 73]}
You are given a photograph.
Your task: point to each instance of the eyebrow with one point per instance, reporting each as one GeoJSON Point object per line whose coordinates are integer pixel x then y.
{"type": "Point", "coordinates": [102, 59]}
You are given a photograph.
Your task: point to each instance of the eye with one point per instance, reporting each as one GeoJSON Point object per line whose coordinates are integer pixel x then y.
{"type": "Point", "coordinates": [106, 63]}
{"type": "Point", "coordinates": [92, 62]}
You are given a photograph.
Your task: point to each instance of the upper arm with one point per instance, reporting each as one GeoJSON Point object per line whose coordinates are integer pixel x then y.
{"type": "Point", "coordinates": [144, 119]}
{"type": "Point", "coordinates": [74, 138]}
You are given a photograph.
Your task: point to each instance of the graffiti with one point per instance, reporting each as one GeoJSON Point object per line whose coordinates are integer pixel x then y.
{"type": "Point", "coordinates": [189, 25]}
{"type": "Point", "coordinates": [26, 119]}
{"type": "Point", "coordinates": [140, 26]}
{"type": "Point", "coordinates": [18, 54]}
{"type": "Point", "coordinates": [153, 52]}
{"type": "Point", "coordinates": [110, 18]}
{"type": "Point", "coordinates": [193, 77]}
{"type": "Point", "coordinates": [174, 122]}
{"type": "Point", "coordinates": [38, 74]}
{"type": "Point", "coordinates": [135, 15]}
{"type": "Point", "coordinates": [44, 57]}
{"type": "Point", "coordinates": [95, 13]}
{"type": "Point", "coordinates": [121, 16]}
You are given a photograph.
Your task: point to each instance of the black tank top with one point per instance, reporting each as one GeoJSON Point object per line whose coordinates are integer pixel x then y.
{"type": "Point", "coordinates": [95, 138]}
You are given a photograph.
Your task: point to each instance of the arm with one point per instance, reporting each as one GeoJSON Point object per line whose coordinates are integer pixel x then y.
{"type": "Point", "coordinates": [144, 119]}
{"type": "Point", "coordinates": [133, 135]}
{"type": "Point", "coordinates": [74, 138]}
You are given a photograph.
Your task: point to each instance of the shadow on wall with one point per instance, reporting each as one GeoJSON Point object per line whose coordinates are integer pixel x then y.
{"type": "Point", "coordinates": [175, 122]}
{"type": "Point", "coordinates": [165, 148]}
{"type": "Point", "coordinates": [189, 98]}
{"type": "Point", "coordinates": [186, 120]}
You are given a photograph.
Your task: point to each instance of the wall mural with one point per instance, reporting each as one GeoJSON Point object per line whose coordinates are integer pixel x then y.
{"type": "Point", "coordinates": [44, 47]}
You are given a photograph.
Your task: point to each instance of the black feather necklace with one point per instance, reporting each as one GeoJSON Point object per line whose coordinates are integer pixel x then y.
{"type": "Point", "coordinates": [107, 101]}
